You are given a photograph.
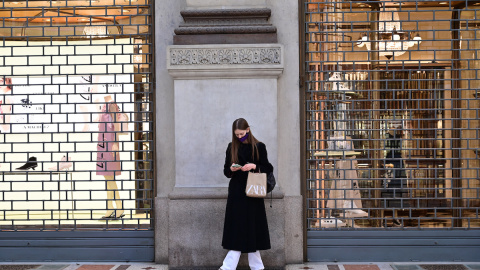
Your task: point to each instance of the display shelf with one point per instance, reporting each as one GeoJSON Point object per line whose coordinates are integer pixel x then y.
{"type": "Point", "coordinates": [332, 153]}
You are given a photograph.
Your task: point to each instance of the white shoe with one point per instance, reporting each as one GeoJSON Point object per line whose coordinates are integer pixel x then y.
{"type": "Point", "coordinates": [351, 209]}
{"type": "Point", "coordinates": [331, 223]}
{"type": "Point", "coordinates": [355, 213]}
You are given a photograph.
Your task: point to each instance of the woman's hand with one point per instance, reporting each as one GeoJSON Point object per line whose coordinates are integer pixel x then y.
{"type": "Point", "coordinates": [249, 166]}
{"type": "Point", "coordinates": [234, 169]}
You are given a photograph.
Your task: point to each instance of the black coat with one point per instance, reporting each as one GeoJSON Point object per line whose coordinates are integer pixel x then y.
{"type": "Point", "coordinates": [245, 228]}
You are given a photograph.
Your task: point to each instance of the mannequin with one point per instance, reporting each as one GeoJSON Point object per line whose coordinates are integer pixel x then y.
{"type": "Point", "coordinates": [394, 183]}
{"type": "Point", "coordinates": [345, 193]}
{"type": "Point", "coordinates": [108, 156]}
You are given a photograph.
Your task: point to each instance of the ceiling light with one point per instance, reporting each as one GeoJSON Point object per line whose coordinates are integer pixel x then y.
{"type": "Point", "coordinates": [393, 41]}
{"type": "Point", "coordinates": [477, 4]}
{"type": "Point", "coordinates": [98, 30]}
{"type": "Point", "coordinates": [363, 5]}
{"type": "Point", "coordinates": [443, 3]}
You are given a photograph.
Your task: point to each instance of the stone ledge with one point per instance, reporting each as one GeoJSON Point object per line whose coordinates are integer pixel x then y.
{"type": "Point", "coordinates": [213, 25]}
{"type": "Point", "coordinates": [195, 193]}
{"type": "Point", "coordinates": [206, 30]}
{"type": "Point", "coordinates": [264, 38]}
{"type": "Point", "coordinates": [248, 12]}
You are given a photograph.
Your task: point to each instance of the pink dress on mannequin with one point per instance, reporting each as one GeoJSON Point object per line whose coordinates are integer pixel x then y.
{"type": "Point", "coordinates": [108, 161]}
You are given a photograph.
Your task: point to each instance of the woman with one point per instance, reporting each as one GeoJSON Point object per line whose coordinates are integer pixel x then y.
{"type": "Point", "coordinates": [245, 229]}
{"type": "Point", "coordinates": [108, 156]}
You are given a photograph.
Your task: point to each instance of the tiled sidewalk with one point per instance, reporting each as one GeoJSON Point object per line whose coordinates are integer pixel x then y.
{"type": "Point", "coordinates": [306, 266]}
{"type": "Point", "coordinates": [82, 266]}
{"type": "Point", "coordinates": [385, 266]}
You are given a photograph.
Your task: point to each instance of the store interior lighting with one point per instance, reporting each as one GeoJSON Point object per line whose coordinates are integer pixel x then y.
{"type": "Point", "coordinates": [393, 41]}
{"type": "Point", "coordinates": [97, 30]}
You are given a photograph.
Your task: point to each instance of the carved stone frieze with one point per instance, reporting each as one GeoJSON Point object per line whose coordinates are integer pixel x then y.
{"type": "Point", "coordinates": [225, 56]}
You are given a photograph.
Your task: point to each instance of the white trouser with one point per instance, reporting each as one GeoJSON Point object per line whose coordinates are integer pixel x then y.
{"type": "Point", "coordinates": [231, 260]}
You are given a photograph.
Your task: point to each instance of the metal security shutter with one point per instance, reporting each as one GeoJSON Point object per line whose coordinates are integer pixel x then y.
{"type": "Point", "coordinates": [76, 130]}
{"type": "Point", "coordinates": [391, 131]}
{"type": "Point", "coordinates": [77, 246]}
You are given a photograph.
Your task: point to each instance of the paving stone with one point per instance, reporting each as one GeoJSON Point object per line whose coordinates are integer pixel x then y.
{"type": "Point", "coordinates": [443, 267]}
{"type": "Point", "coordinates": [52, 267]}
{"type": "Point", "coordinates": [308, 266]}
{"type": "Point", "coordinates": [139, 266]}
{"type": "Point", "coordinates": [18, 266]}
{"type": "Point", "coordinates": [405, 267]}
{"type": "Point", "coordinates": [360, 267]}
{"type": "Point", "coordinates": [95, 267]}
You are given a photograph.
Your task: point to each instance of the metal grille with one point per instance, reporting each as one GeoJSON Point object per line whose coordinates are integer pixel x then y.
{"type": "Point", "coordinates": [392, 114]}
{"type": "Point", "coordinates": [76, 85]}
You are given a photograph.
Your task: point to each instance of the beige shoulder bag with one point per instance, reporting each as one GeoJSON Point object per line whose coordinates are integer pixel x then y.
{"type": "Point", "coordinates": [256, 185]}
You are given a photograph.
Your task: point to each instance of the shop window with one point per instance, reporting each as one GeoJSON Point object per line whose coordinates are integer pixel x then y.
{"type": "Point", "coordinates": [76, 115]}
{"type": "Point", "coordinates": [391, 114]}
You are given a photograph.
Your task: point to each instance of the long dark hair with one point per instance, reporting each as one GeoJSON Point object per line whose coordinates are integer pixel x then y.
{"type": "Point", "coordinates": [242, 124]}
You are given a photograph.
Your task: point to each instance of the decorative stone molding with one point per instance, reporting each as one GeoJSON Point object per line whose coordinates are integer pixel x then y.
{"type": "Point", "coordinates": [197, 56]}
{"type": "Point", "coordinates": [233, 61]}
{"type": "Point", "coordinates": [225, 30]}
{"type": "Point", "coordinates": [206, 13]}
{"type": "Point", "coordinates": [222, 26]}
{"type": "Point", "coordinates": [230, 4]}
{"type": "Point", "coordinates": [232, 22]}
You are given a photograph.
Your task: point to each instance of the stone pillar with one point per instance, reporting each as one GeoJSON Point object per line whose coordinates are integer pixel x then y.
{"type": "Point", "coordinates": [214, 85]}
{"type": "Point", "coordinates": [225, 63]}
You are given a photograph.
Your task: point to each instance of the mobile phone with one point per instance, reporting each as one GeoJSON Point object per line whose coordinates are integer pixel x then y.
{"type": "Point", "coordinates": [236, 166]}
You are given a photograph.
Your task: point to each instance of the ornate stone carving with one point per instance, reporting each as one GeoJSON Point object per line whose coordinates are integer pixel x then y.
{"type": "Point", "coordinates": [222, 56]}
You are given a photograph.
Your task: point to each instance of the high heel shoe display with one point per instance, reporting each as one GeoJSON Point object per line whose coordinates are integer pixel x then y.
{"type": "Point", "coordinates": [63, 164]}
{"type": "Point", "coordinates": [121, 215]}
{"type": "Point", "coordinates": [31, 164]}
{"type": "Point", "coordinates": [112, 215]}
{"type": "Point", "coordinates": [109, 215]}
